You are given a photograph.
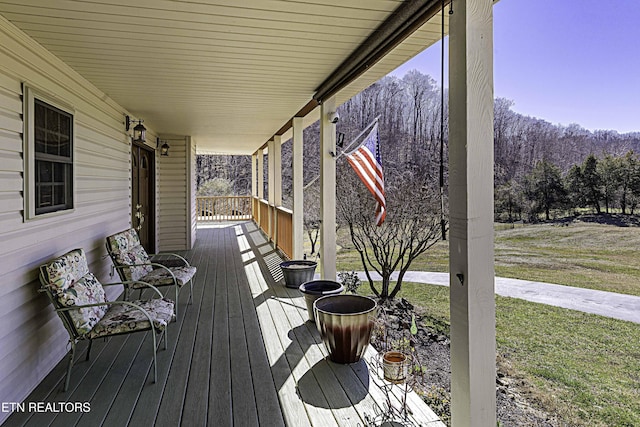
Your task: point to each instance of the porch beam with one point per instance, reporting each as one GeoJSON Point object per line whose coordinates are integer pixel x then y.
{"type": "Point", "coordinates": [327, 191]}
{"type": "Point", "coordinates": [403, 22]}
{"type": "Point", "coordinates": [471, 252]}
{"type": "Point", "coordinates": [298, 185]}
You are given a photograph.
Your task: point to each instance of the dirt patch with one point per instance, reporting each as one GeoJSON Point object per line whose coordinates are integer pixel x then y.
{"type": "Point", "coordinates": [432, 380]}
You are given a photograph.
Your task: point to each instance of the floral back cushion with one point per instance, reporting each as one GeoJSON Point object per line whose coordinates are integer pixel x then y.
{"type": "Point", "coordinates": [123, 241]}
{"type": "Point", "coordinates": [62, 272]}
{"type": "Point", "coordinates": [125, 249]}
{"type": "Point", "coordinates": [135, 256]}
{"type": "Point", "coordinates": [87, 290]}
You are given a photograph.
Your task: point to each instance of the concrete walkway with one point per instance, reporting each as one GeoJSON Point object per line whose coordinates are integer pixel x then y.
{"type": "Point", "coordinates": [609, 304]}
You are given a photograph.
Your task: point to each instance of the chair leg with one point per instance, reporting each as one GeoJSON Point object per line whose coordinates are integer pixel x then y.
{"type": "Point", "coordinates": [166, 337]}
{"type": "Point", "coordinates": [155, 359]}
{"type": "Point", "coordinates": [89, 349]}
{"type": "Point", "coordinates": [68, 377]}
{"type": "Point", "coordinates": [176, 304]}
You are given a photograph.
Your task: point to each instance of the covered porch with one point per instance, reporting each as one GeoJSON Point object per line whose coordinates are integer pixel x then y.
{"type": "Point", "coordinates": [226, 78]}
{"type": "Point", "coordinates": [242, 354]}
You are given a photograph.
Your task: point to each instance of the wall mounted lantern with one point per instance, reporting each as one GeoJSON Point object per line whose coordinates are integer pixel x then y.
{"type": "Point", "coordinates": [164, 148]}
{"type": "Point", "coordinates": [139, 131]}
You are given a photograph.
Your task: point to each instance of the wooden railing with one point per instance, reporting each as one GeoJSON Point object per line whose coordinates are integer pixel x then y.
{"type": "Point", "coordinates": [264, 217]}
{"type": "Point", "coordinates": [223, 208]}
{"type": "Point", "coordinates": [284, 235]}
{"type": "Point", "coordinates": [276, 223]}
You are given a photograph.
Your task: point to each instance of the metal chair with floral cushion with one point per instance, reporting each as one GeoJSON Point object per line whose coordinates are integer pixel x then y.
{"type": "Point", "coordinates": [133, 264]}
{"type": "Point", "coordinates": [81, 303]}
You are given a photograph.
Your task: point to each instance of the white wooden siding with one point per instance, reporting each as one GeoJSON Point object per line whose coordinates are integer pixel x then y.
{"type": "Point", "coordinates": [32, 339]}
{"type": "Point", "coordinates": [173, 180]}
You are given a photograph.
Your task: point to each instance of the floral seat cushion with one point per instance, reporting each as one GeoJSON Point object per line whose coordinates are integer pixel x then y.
{"type": "Point", "coordinates": [161, 277]}
{"type": "Point", "coordinates": [125, 318]}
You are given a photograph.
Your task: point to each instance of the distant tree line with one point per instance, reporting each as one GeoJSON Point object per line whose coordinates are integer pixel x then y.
{"type": "Point", "coordinates": [606, 184]}
{"type": "Point", "coordinates": [541, 169]}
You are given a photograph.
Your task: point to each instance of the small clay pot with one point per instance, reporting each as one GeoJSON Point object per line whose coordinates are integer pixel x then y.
{"type": "Point", "coordinates": [395, 366]}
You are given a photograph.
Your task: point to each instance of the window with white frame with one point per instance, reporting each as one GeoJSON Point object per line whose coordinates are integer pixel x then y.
{"type": "Point", "coordinates": [49, 161]}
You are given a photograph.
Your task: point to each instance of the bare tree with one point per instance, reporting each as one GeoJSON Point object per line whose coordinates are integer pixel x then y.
{"type": "Point", "coordinates": [412, 226]}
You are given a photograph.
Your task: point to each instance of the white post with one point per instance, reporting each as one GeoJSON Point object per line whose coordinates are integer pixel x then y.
{"type": "Point", "coordinates": [298, 193]}
{"type": "Point", "coordinates": [327, 191]}
{"type": "Point", "coordinates": [271, 187]}
{"type": "Point", "coordinates": [254, 184]}
{"type": "Point", "coordinates": [277, 170]}
{"type": "Point", "coordinates": [260, 160]}
{"type": "Point", "coordinates": [471, 252]}
{"type": "Point", "coordinates": [277, 185]}
{"type": "Point", "coordinates": [260, 189]}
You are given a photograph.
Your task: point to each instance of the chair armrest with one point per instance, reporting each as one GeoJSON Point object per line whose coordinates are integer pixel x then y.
{"type": "Point", "coordinates": [181, 258]}
{"type": "Point", "coordinates": [131, 282]}
{"type": "Point", "coordinates": [175, 281]}
{"type": "Point", "coordinates": [136, 306]}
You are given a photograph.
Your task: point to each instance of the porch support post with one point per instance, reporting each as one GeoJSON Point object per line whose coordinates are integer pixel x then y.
{"type": "Point", "coordinates": [260, 182]}
{"type": "Point", "coordinates": [473, 339]}
{"type": "Point", "coordinates": [277, 170]}
{"type": "Point", "coordinates": [276, 165]}
{"type": "Point", "coordinates": [298, 193]}
{"type": "Point", "coordinates": [260, 167]}
{"type": "Point", "coordinates": [254, 173]}
{"type": "Point", "coordinates": [327, 191]}
{"type": "Point", "coordinates": [271, 189]}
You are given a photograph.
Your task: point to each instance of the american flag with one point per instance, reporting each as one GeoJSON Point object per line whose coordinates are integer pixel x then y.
{"type": "Point", "coordinates": [366, 161]}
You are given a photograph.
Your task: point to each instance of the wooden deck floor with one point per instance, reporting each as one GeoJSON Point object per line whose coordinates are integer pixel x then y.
{"type": "Point", "coordinates": [241, 355]}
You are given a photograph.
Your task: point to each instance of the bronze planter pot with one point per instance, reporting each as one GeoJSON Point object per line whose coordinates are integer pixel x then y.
{"type": "Point", "coordinates": [345, 323]}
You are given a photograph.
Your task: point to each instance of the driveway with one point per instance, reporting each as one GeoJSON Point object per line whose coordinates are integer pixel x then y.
{"type": "Point", "coordinates": [609, 304]}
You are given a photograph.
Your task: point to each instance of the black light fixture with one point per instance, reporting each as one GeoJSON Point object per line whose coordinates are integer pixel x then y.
{"type": "Point", "coordinates": [164, 148]}
{"type": "Point", "coordinates": [139, 131]}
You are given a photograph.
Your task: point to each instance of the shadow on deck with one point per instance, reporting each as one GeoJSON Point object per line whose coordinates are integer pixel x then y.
{"type": "Point", "coordinates": [241, 355]}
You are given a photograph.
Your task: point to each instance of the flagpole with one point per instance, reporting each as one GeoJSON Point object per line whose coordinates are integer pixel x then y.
{"type": "Point", "coordinates": [358, 137]}
{"type": "Point", "coordinates": [375, 120]}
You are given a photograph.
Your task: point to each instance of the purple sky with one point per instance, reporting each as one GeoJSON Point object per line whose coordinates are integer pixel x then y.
{"type": "Point", "coordinates": [564, 61]}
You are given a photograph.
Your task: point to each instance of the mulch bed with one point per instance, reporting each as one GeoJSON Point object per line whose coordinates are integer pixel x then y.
{"type": "Point", "coordinates": [432, 347]}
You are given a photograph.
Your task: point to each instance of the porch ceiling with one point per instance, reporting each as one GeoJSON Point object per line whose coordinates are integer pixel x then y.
{"type": "Point", "coordinates": [228, 73]}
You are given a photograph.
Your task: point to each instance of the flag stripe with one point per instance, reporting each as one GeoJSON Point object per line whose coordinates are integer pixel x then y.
{"type": "Point", "coordinates": [366, 162]}
{"type": "Point", "coordinates": [375, 186]}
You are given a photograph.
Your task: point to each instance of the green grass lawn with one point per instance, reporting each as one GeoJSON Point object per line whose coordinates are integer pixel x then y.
{"type": "Point", "coordinates": [583, 368]}
{"type": "Point", "coordinates": [592, 256]}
